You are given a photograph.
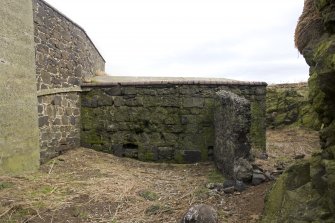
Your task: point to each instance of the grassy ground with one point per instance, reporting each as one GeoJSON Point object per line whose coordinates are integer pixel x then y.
{"type": "Point", "coordinates": [87, 186]}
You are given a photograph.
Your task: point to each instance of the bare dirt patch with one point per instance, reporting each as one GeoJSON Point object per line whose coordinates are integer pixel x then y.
{"type": "Point", "coordinates": [87, 186]}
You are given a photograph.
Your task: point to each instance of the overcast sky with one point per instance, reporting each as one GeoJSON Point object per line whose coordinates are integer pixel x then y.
{"type": "Point", "coordinates": [243, 40]}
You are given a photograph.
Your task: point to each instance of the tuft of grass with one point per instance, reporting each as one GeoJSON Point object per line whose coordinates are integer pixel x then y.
{"type": "Point", "coordinates": [148, 195]}
{"type": "Point", "coordinates": [202, 193]}
{"type": "Point", "coordinates": [215, 177]}
{"type": "Point", "coordinates": [4, 185]}
{"type": "Point", "coordinates": [44, 190]}
{"type": "Point", "coordinates": [153, 209]}
{"type": "Point", "coordinates": [78, 212]}
{"type": "Point", "coordinates": [157, 208]}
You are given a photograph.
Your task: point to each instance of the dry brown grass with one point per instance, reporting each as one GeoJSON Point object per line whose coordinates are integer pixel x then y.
{"type": "Point", "coordinates": [309, 27]}
{"type": "Point", "coordinates": [73, 185]}
{"type": "Point", "coordinates": [283, 145]}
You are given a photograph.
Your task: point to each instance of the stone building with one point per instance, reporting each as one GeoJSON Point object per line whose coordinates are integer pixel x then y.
{"type": "Point", "coordinates": [49, 109]}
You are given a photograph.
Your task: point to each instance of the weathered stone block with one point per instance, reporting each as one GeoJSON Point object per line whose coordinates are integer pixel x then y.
{"type": "Point", "coordinates": [130, 91]}
{"type": "Point", "coordinates": [165, 153]}
{"type": "Point", "coordinates": [193, 102]}
{"type": "Point", "coordinates": [57, 100]}
{"type": "Point", "coordinates": [170, 102]}
{"type": "Point", "coordinates": [242, 170]}
{"type": "Point", "coordinates": [133, 102]}
{"type": "Point", "coordinates": [118, 150]}
{"type": "Point", "coordinates": [114, 91]}
{"type": "Point", "coordinates": [191, 156]}
{"type": "Point", "coordinates": [232, 120]}
{"type": "Point", "coordinates": [131, 153]}
{"type": "Point", "coordinates": [201, 213]}
{"type": "Point", "coordinates": [43, 121]}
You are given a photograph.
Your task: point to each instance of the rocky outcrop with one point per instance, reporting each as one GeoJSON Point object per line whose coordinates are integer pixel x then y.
{"type": "Point", "coordinates": [288, 104]}
{"type": "Point", "coordinates": [306, 191]}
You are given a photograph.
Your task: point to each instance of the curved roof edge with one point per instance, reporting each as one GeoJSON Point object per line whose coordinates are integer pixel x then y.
{"type": "Point", "coordinates": [75, 24]}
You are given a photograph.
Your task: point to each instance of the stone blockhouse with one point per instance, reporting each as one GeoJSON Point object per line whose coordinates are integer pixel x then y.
{"type": "Point", "coordinates": [155, 119]}
{"type": "Point", "coordinates": [167, 119]}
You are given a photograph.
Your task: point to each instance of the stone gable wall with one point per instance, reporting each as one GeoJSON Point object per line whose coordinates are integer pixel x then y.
{"type": "Point", "coordinates": [161, 122]}
{"type": "Point", "coordinates": [65, 57]}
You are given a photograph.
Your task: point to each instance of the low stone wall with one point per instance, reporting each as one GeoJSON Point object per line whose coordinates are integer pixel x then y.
{"type": "Point", "coordinates": [65, 57]}
{"type": "Point", "coordinates": [232, 120]}
{"type": "Point", "coordinates": [165, 121]}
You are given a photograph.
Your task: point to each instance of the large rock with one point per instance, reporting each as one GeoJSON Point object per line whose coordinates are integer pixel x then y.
{"type": "Point", "coordinates": [201, 213]}
{"type": "Point", "coordinates": [232, 119]}
{"type": "Point", "coordinates": [295, 196]}
{"type": "Point", "coordinates": [242, 170]}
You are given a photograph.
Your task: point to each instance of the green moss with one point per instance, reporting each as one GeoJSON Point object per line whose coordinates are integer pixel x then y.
{"type": "Point", "coordinates": [215, 177]}
{"type": "Point", "coordinates": [316, 95]}
{"type": "Point", "coordinates": [331, 150]}
{"type": "Point", "coordinates": [91, 138]}
{"type": "Point", "coordinates": [288, 105]}
{"type": "Point", "coordinates": [295, 195]}
{"type": "Point", "coordinates": [179, 158]}
{"type": "Point", "coordinates": [274, 200]}
{"type": "Point", "coordinates": [280, 119]}
{"type": "Point", "coordinates": [323, 46]}
{"type": "Point", "coordinates": [146, 155]}
{"type": "Point", "coordinates": [298, 175]}
{"type": "Point", "coordinates": [257, 130]}
{"type": "Point", "coordinates": [320, 4]}
{"type": "Point", "coordinates": [46, 189]}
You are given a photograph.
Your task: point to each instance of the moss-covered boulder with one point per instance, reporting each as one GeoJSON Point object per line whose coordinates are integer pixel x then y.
{"type": "Point", "coordinates": [302, 194]}
{"type": "Point", "coordinates": [289, 105]}
{"type": "Point", "coordinates": [306, 191]}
